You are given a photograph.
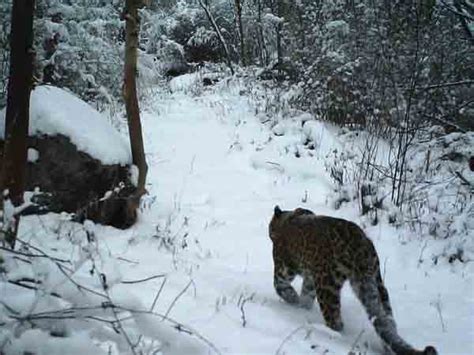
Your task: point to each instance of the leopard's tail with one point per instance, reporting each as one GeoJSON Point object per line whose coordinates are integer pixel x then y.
{"type": "Point", "coordinates": [373, 294]}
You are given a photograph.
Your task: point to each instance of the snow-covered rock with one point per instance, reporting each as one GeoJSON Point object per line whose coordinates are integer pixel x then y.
{"type": "Point", "coordinates": [75, 158]}
{"type": "Point", "coordinates": [56, 111]}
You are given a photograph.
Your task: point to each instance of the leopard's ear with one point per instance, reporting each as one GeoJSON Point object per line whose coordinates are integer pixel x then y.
{"type": "Point", "coordinates": [277, 211]}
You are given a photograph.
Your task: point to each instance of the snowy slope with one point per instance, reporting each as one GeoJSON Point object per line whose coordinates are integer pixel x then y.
{"type": "Point", "coordinates": [215, 174]}
{"type": "Point", "coordinates": [216, 178]}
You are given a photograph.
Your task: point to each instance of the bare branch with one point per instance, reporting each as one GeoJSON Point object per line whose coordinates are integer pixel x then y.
{"type": "Point", "coordinates": [143, 280]}
{"type": "Point", "coordinates": [21, 283]}
{"type": "Point", "coordinates": [29, 255]}
{"type": "Point", "coordinates": [242, 302]}
{"type": "Point", "coordinates": [288, 337]}
{"type": "Point", "coordinates": [157, 295]}
{"type": "Point", "coordinates": [177, 297]}
{"type": "Point", "coordinates": [446, 85]}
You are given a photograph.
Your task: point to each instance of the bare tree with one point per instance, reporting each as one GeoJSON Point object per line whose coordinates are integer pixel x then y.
{"type": "Point", "coordinates": [132, 29]}
{"type": "Point", "coordinates": [13, 170]}
{"type": "Point", "coordinates": [206, 9]}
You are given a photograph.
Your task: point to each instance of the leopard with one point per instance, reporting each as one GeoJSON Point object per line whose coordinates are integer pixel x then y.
{"type": "Point", "coordinates": [326, 252]}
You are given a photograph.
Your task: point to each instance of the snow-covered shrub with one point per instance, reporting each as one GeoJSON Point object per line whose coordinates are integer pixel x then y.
{"type": "Point", "coordinates": [171, 59]}
{"type": "Point", "coordinates": [203, 46]}
{"type": "Point", "coordinates": [338, 164]}
{"type": "Point", "coordinates": [183, 23]}
{"type": "Point", "coordinates": [435, 197]}
{"type": "Point", "coordinates": [64, 290]}
{"type": "Point", "coordinates": [80, 47]}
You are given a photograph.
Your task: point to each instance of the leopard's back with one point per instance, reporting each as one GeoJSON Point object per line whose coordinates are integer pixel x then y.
{"type": "Point", "coordinates": [309, 241]}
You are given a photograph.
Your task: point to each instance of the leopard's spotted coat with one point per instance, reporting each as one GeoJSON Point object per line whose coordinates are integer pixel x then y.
{"type": "Point", "coordinates": [326, 252]}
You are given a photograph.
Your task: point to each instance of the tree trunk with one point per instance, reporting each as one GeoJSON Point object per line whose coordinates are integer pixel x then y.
{"type": "Point", "coordinates": [278, 39]}
{"type": "Point", "coordinates": [132, 29]}
{"type": "Point", "coordinates": [206, 9]}
{"type": "Point", "coordinates": [13, 170]}
{"type": "Point", "coordinates": [260, 36]}
{"type": "Point", "coordinates": [238, 10]}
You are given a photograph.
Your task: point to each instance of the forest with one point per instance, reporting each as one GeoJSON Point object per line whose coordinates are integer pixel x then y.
{"type": "Point", "coordinates": [145, 145]}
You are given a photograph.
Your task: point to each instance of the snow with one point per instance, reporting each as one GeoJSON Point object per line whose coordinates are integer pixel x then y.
{"type": "Point", "coordinates": [56, 111]}
{"type": "Point", "coordinates": [338, 26]}
{"type": "Point", "coordinates": [33, 155]}
{"type": "Point", "coordinates": [215, 174]}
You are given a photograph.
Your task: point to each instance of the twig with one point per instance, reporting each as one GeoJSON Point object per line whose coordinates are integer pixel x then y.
{"type": "Point", "coordinates": [117, 325]}
{"type": "Point", "coordinates": [437, 305]}
{"type": "Point", "coordinates": [354, 344]}
{"type": "Point", "coordinates": [277, 166]}
{"type": "Point", "coordinates": [177, 297]}
{"type": "Point", "coordinates": [445, 122]}
{"type": "Point", "coordinates": [157, 295]}
{"type": "Point", "coordinates": [278, 352]}
{"type": "Point", "coordinates": [178, 326]}
{"type": "Point", "coordinates": [128, 261]}
{"type": "Point", "coordinates": [79, 286]}
{"type": "Point", "coordinates": [43, 255]}
{"type": "Point", "coordinates": [420, 257]}
{"type": "Point", "coordinates": [242, 311]}
{"type": "Point", "coordinates": [143, 280]}
{"type": "Point", "coordinates": [457, 12]}
{"type": "Point", "coordinates": [444, 85]}
{"type": "Point", "coordinates": [8, 308]}
{"type": "Point", "coordinates": [152, 307]}
{"type": "Point", "coordinates": [75, 313]}
{"type": "Point", "coordinates": [463, 179]}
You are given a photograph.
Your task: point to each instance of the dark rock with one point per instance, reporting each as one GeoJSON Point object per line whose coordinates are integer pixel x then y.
{"type": "Point", "coordinates": [175, 70]}
{"type": "Point", "coordinates": [72, 181]}
{"type": "Point", "coordinates": [207, 81]}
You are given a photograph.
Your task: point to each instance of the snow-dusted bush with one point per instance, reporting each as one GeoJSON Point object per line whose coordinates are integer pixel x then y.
{"type": "Point", "coordinates": [63, 291]}
{"type": "Point", "coordinates": [203, 46]}
{"type": "Point", "coordinates": [80, 47]}
{"type": "Point", "coordinates": [434, 199]}
{"type": "Point", "coordinates": [170, 58]}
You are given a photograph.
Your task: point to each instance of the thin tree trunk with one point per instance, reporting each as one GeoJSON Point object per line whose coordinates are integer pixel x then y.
{"type": "Point", "coordinates": [260, 37]}
{"type": "Point", "coordinates": [278, 39]}
{"type": "Point", "coordinates": [13, 170]}
{"type": "Point", "coordinates": [132, 29]}
{"type": "Point", "coordinates": [238, 10]}
{"type": "Point", "coordinates": [219, 34]}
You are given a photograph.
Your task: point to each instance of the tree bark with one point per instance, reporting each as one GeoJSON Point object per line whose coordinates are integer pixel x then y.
{"type": "Point", "coordinates": [278, 39]}
{"type": "Point", "coordinates": [260, 37]}
{"type": "Point", "coordinates": [13, 170]}
{"type": "Point", "coordinates": [238, 10]}
{"type": "Point", "coordinates": [132, 29]}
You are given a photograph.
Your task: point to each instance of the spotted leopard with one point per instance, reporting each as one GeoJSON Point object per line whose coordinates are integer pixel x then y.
{"type": "Point", "coordinates": [327, 251]}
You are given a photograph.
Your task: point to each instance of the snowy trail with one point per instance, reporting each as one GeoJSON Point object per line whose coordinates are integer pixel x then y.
{"type": "Point", "coordinates": [216, 177]}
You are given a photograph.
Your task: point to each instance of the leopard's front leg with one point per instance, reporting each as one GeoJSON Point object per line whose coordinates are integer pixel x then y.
{"type": "Point", "coordinates": [308, 291]}
{"type": "Point", "coordinates": [283, 276]}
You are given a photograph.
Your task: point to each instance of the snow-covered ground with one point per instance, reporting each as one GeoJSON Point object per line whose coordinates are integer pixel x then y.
{"type": "Point", "coordinates": [215, 174]}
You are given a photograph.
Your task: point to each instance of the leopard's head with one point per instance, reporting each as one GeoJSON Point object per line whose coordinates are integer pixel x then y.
{"type": "Point", "coordinates": [281, 218]}
{"type": "Point", "coordinates": [276, 222]}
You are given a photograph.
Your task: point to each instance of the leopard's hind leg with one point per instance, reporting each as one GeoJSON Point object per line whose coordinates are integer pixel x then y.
{"type": "Point", "coordinates": [328, 291]}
